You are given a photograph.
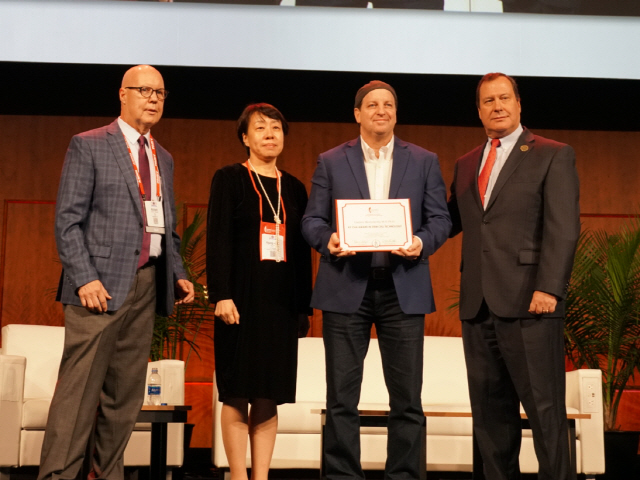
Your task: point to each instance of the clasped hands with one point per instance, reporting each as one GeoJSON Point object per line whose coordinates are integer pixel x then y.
{"type": "Point", "coordinates": [410, 253]}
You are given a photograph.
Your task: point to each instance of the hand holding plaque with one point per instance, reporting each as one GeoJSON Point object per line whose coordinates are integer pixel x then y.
{"type": "Point", "coordinates": [374, 225]}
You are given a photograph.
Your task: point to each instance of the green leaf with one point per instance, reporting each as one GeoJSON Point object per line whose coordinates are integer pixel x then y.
{"type": "Point", "coordinates": [602, 325]}
{"type": "Point", "coordinates": [176, 336]}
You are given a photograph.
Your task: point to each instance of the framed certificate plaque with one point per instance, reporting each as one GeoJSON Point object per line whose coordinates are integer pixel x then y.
{"type": "Point", "coordinates": [374, 225]}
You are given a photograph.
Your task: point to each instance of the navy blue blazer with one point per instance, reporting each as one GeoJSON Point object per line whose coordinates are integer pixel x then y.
{"type": "Point", "coordinates": [340, 174]}
{"type": "Point", "coordinates": [99, 220]}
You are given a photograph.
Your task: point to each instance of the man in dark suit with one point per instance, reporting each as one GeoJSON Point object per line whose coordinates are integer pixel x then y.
{"type": "Point", "coordinates": [116, 238]}
{"type": "Point", "coordinates": [515, 197]}
{"type": "Point", "coordinates": [391, 291]}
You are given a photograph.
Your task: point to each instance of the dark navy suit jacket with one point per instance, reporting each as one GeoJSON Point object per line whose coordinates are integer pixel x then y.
{"type": "Point", "coordinates": [525, 240]}
{"type": "Point", "coordinates": [340, 174]}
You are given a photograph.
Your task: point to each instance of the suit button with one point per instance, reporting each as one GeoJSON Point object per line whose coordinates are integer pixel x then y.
{"type": "Point", "coordinates": [140, 224]}
{"type": "Point", "coordinates": [484, 222]}
{"type": "Point", "coordinates": [137, 252]}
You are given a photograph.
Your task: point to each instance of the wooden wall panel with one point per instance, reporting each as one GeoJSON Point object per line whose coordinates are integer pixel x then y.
{"type": "Point", "coordinates": [201, 363]}
{"type": "Point", "coordinates": [315, 329]}
{"type": "Point", "coordinates": [199, 396]}
{"type": "Point", "coordinates": [602, 222]}
{"type": "Point", "coordinates": [629, 410]}
{"type": "Point", "coordinates": [32, 150]}
{"type": "Point", "coordinates": [30, 265]}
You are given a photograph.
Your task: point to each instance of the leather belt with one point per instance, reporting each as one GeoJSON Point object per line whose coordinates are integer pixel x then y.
{"type": "Point", "coordinates": [380, 273]}
{"type": "Point", "coordinates": [153, 261]}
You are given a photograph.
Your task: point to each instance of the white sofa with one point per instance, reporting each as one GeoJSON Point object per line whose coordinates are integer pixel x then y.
{"type": "Point", "coordinates": [449, 441]}
{"type": "Point", "coordinates": [29, 363]}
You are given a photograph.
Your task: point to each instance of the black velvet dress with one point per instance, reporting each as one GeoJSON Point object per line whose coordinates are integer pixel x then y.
{"type": "Point", "coordinates": [256, 358]}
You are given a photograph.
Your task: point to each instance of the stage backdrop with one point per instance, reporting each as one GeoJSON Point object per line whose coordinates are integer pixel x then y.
{"type": "Point", "coordinates": [33, 148]}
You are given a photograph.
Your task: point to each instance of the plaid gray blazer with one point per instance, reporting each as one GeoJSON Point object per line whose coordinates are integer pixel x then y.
{"type": "Point", "coordinates": [98, 224]}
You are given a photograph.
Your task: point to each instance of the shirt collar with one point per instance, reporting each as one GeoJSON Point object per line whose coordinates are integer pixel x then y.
{"type": "Point", "coordinates": [386, 152]}
{"type": "Point", "coordinates": [507, 143]}
{"type": "Point", "coordinates": [130, 133]}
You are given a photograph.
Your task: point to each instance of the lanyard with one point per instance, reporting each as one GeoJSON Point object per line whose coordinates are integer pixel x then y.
{"type": "Point", "coordinates": [279, 241]}
{"type": "Point", "coordinates": [276, 214]}
{"type": "Point", "coordinates": [155, 165]}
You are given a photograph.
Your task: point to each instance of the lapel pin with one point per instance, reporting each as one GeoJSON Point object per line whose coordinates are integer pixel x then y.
{"type": "Point", "coordinates": [524, 148]}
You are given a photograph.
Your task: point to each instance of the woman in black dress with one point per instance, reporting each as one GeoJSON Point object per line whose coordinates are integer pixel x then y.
{"type": "Point", "coordinates": [259, 277]}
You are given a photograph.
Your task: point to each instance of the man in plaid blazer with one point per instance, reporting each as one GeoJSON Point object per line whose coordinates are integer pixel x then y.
{"type": "Point", "coordinates": [120, 267]}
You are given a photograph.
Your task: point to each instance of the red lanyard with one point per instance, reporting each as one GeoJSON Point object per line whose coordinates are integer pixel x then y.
{"type": "Point", "coordinates": [284, 213]}
{"type": "Point", "coordinates": [137, 172]}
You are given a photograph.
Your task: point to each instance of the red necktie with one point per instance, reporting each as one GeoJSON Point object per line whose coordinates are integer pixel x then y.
{"type": "Point", "coordinates": [145, 176]}
{"type": "Point", "coordinates": [483, 179]}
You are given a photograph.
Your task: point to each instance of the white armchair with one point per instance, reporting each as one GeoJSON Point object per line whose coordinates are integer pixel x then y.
{"type": "Point", "coordinates": [29, 363]}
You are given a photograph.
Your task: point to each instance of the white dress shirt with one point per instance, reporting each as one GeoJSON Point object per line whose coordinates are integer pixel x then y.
{"type": "Point", "coordinates": [132, 136]}
{"type": "Point", "coordinates": [378, 169]}
{"type": "Point", "coordinates": [502, 153]}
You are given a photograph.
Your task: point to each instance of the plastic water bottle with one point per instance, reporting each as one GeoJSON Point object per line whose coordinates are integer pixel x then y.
{"type": "Point", "coordinates": [154, 388]}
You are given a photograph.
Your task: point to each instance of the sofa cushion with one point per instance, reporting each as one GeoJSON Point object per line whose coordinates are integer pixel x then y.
{"type": "Point", "coordinates": [35, 412]}
{"type": "Point", "coordinates": [42, 347]}
{"type": "Point", "coordinates": [297, 417]}
{"type": "Point", "coordinates": [445, 372]}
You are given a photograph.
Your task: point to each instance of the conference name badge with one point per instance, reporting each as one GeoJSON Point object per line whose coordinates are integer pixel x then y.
{"type": "Point", "coordinates": [155, 216]}
{"type": "Point", "coordinates": [272, 246]}
{"type": "Point", "coordinates": [374, 225]}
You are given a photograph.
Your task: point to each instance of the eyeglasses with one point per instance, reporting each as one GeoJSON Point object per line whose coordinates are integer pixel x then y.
{"type": "Point", "coordinates": [146, 92]}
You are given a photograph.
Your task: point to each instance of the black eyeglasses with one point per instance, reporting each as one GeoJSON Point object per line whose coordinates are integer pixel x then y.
{"type": "Point", "coordinates": [146, 92]}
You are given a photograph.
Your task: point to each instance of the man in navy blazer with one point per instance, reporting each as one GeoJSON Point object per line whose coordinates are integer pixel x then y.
{"type": "Point", "coordinates": [119, 269]}
{"type": "Point", "coordinates": [391, 290]}
{"type": "Point", "coordinates": [517, 253]}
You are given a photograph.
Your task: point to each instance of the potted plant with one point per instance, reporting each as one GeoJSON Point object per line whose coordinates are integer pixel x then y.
{"type": "Point", "coordinates": [175, 337]}
{"type": "Point", "coordinates": [602, 324]}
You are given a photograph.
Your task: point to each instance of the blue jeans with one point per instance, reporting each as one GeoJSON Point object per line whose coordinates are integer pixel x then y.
{"type": "Point", "coordinates": [401, 340]}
